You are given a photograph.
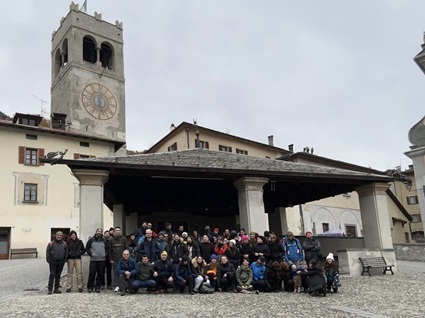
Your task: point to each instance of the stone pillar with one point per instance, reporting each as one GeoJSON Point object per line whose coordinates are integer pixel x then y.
{"type": "Point", "coordinates": [251, 205]}
{"type": "Point", "coordinates": [131, 222]}
{"type": "Point", "coordinates": [375, 217]}
{"type": "Point", "coordinates": [91, 200]}
{"type": "Point", "coordinates": [119, 217]}
{"type": "Point", "coordinates": [418, 158]}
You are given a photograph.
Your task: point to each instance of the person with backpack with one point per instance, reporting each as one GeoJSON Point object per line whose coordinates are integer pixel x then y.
{"type": "Point", "coordinates": [56, 256]}
{"type": "Point", "coordinates": [75, 250]}
{"type": "Point", "coordinates": [293, 250]}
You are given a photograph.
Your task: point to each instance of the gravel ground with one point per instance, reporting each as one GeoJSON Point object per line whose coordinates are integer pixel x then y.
{"type": "Point", "coordinates": [401, 295]}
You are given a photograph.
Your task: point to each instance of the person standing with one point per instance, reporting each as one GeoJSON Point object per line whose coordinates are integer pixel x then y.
{"type": "Point", "coordinates": [108, 264]}
{"type": "Point", "coordinates": [75, 250]}
{"type": "Point", "coordinates": [118, 244]}
{"type": "Point", "coordinates": [97, 248]}
{"type": "Point", "coordinates": [311, 248]}
{"type": "Point", "coordinates": [293, 249]}
{"type": "Point", "coordinates": [56, 256]}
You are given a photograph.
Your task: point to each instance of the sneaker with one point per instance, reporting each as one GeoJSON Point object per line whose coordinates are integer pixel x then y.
{"type": "Point", "coordinates": [68, 290]}
{"type": "Point", "coordinates": [80, 290]}
{"type": "Point", "coordinates": [90, 290]}
{"type": "Point", "coordinates": [117, 289]}
{"type": "Point", "coordinates": [57, 291]}
{"type": "Point", "coordinates": [49, 292]}
{"type": "Point", "coordinates": [257, 291]}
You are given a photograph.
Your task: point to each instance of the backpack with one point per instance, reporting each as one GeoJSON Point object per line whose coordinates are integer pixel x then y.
{"type": "Point", "coordinates": [51, 244]}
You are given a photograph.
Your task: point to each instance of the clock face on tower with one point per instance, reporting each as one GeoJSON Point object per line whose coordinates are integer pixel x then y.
{"type": "Point", "coordinates": [99, 101]}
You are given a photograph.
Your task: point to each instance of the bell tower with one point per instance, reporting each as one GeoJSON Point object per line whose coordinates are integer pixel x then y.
{"type": "Point", "coordinates": [88, 82]}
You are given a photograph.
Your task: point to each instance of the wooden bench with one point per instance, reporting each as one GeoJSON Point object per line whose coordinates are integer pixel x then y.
{"type": "Point", "coordinates": [375, 262]}
{"type": "Point", "coordinates": [29, 250]}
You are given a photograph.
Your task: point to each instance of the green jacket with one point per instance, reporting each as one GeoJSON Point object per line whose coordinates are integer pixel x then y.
{"type": "Point", "coordinates": [145, 271]}
{"type": "Point", "coordinates": [244, 276]}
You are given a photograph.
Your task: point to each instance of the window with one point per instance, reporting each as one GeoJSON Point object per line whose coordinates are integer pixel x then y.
{"type": "Point", "coordinates": [173, 147]}
{"type": "Point", "coordinates": [31, 137]}
{"type": "Point", "coordinates": [27, 122]}
{"type": "Point", "coordinates": [106, 56]}
{"type": "Point", "coordinates": [411, 200]}
{"type": "Point", "coordinates": [30, 192]}
{"type": "Point", "coordinates": [325, 227]}
{"type": "Point", "coordinates": [64, 230]}
{"type": "Point", "coordinates": [350, 230]}
{"type": "Point", "coordinates": [202, 144]}
{"type": "Point", "coordinates": [89, 50]}
{"type": "Point", "coordinates": [29, 156]}
{"type": "Point", "coordinates": [406, 236]}
{"type": "Point", "coordinates": [241, 152]}
{"type": "Point", "coordinates": [224, 148]}
{"type": "Point", "coordinates": [84, 144]}
{"type": "Point", "coordinates": [416, 218]}
{"type": "Point", "coordinates": [81, 156]}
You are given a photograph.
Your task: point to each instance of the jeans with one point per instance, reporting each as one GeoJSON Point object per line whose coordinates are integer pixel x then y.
{"type": "Point", "coordinates": [55, 268]}
{"type": "Point", "coordinates": [149, 284]}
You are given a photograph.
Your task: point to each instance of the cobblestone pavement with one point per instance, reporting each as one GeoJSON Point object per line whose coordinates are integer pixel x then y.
{"type": "Point", "coordinates": [401, 295]}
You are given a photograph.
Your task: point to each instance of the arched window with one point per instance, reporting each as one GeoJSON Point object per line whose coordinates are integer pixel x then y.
{"type": "Point", "coordinates": [65, 52]}
{"type": "Point", "coordinates": [89, 50]}
{"type": "Point", "coordinates": [58, 62]}
{"type": "Point", "coordinates": [107, 56]}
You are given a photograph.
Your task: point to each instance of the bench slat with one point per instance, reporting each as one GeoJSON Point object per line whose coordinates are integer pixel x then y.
{"type": "Point", "coordinates": [28, 250]}
{"type": "Point", "coordinates": [375, 262]}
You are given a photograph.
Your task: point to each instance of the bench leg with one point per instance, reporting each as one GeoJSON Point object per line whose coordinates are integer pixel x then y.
{"type": "Point", "coordinates": [366, 270]}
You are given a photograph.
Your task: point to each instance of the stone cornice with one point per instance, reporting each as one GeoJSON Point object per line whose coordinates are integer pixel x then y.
{"type": "Point", "coordinates": [91, 177]}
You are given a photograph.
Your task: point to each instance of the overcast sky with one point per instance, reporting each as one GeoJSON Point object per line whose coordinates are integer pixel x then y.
{"type": "Point", "coordinates": [334, 75]}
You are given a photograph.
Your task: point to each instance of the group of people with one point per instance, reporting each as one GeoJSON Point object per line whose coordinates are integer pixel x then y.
{"type": "Point", "coordinates": [174, 260]}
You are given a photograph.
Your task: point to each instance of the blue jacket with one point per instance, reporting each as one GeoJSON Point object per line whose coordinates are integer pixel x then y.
{"type": "Point", "coordinates": [258, 271]}
{"type": "Point", "coordinates": [293, 250]}
{"type": "Point", "coordinates": [131, 266]}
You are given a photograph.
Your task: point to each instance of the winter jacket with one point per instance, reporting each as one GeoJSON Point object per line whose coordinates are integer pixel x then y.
{"type": "Point", "coordinates": [56, 251]}
{"type": "Point", "coordinates": [293, 249]}
{"type": "Point", "coordinates": [258, 271]}
{"type": "Point", "coordinates": [220, 249]}
{"type": "Point", "coordinates": [259, 248]}
{"type": "Point", "coordinates": [199, 269]}
{"type": "Point", "coordinates": [184, 271]}
{"type": "Point", "coordinates": [177, 251]}
{"type": "Point", "coordinates": [149, 248]}
{"type": "Point", "coordinates": [244, 276]}
{"type": "Point", "coordinates": [163, 245]}
{"type": "Point", "coordinates": [206, 250]}
{"type": "Point", "coordinates": [311, 249]}
{"type": "Point", "coordinates": [164, 268]}
{"type": "Point", "coordinates": [130, 265]}
{"type": "Point", "coordinates": [276, 252]}
{"type": "Point", "coordinates": [244, 249]}
{"type": "Point", "coordinates": [193, 250]}
{"type": "Point", "coordinates": [315, 279]}
{"type": "Point", "coordinates": [97, 248]}
{"type": "Point", "coordinates": [233, 256]}
{"type": "Point", "coordinates": [117, 244]}
{"type": "Point", "coordinates": [227, 268]}
{"type": "Point", "coordinates": [145, 271]}
{"type": "Point", "coordinates": [75, 249]}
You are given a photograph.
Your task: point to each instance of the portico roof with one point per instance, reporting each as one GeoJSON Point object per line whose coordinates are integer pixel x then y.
{"type": "Point", "coordinates": [199, 178]}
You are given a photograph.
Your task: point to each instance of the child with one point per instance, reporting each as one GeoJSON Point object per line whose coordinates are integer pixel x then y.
{"type": "Point", "coordinates": [331, 273]}
{"type": "Point", "coordinates": [296, 277]}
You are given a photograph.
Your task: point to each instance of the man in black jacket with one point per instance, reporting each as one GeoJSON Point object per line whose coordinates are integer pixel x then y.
{"type": "Point", "coordinates": [56, 256]}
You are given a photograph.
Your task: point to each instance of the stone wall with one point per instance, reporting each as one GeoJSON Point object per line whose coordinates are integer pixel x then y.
{"type": "Point", "coordinates": [410, 252]}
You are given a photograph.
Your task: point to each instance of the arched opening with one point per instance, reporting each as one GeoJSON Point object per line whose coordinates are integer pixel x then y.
{"type": "Point", "coordinates": [89, 50]}
{"type": "Point", "coordinates": [58, 62]}
{"type": "Point", "coordinates": [107, 56]}
{"type": "Point", "coordinates": [65, 52]}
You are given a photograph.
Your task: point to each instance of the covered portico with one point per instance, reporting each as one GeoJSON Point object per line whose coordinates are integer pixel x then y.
{"type": "Point", "coordinates": [217, 188]}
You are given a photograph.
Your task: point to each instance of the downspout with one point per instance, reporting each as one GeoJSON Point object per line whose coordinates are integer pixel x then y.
{"type": "Point", "coordinates": [187, 136]}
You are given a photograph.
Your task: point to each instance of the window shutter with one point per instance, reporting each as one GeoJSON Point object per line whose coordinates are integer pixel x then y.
{"type": "Point", "coordinates": [419, 217]}
{"type": "Point", "coordinates": [21, 156]}
{"type": "Point", "coordinates": [40, 153]}
{"type": "Point", "coordinates": [76, 156]}
{"type": "Point", "coordinates": [207, 145]}
{"type": "Point", "coordinates": [230, 149]}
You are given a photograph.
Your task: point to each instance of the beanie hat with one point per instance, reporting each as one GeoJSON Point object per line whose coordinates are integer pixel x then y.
{"type": "Point", "coordinates": [233, 242]}
{"type": "Point", "coordinates": [262, 259]}
{"type": "Point", "coordinates": [330, 256]}
{"type": "Point", "coordinates": [184, 234]}
{"type": "Point", "coordinates": [308, 232]}
{"type": "Point", "coordinates": [245, 237]}
{"type": "Point", "coordinates": [213, 256]}
{"type": "Point", "coordinates": [207, 227]}
{"type": "Point", "coordinates": [216, 229]}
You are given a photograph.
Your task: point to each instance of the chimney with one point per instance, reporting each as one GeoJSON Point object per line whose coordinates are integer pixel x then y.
{"type": "Point", "coordinates": [271, 140]}
{"type": "Point", "coordinates": [172, 127]}
{"type": "Point", "coordinates": [291, 148]}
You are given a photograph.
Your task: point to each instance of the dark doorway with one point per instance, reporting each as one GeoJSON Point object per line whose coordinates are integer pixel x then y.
{"type": "Point", "coordinates": [4, 242]}
{"type": "Point", "coordinates": [64, 230]}
{"type": "Point", "coordinates": [174, 225]}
